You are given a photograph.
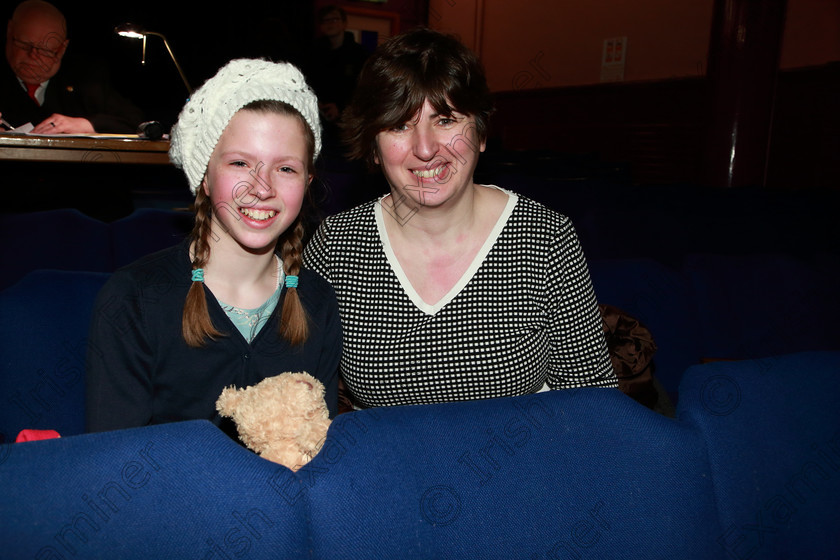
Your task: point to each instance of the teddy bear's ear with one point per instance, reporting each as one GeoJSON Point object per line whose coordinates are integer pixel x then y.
{"type": "Point", "coordinates": [228, 401]}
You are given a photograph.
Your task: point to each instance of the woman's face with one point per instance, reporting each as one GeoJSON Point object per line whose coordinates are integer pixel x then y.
{"type": "Point", "coordinates": [430, 159]}
{"type": "Point", "coordinates": [256, 179]}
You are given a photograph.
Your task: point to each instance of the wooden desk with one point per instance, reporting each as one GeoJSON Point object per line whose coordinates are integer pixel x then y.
{"type": "Point", "coordinates": [99, 149]}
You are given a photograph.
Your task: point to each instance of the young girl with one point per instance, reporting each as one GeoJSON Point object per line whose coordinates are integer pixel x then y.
{"type": "Point", "coordinates": [231, 305]}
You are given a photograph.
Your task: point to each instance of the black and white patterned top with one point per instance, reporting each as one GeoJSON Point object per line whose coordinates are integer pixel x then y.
{"type": "Point", "coordinates": [523, 315]}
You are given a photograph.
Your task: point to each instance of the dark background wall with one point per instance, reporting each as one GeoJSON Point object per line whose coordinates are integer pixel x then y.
{"type": "Point", "coordinates": [655, 126]}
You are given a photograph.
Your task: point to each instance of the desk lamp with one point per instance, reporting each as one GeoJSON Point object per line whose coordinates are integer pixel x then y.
{"type": "Point", "coordinates": [135, 32]}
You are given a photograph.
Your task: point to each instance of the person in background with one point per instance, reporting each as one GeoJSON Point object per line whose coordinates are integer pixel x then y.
{"type": "Point", "coordinates": [232, 304]}
{"type": "Point", "coordinates": [38, 87]}
{"type": "Point", "coordinates": [449, 290]}
{"type": "Point", "coordinates": [333, 68]}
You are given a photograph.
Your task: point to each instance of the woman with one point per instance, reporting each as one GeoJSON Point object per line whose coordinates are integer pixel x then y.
{"type": "Point", "coordinates": [231, 305]}
{"type": "Point", "coordinates": [449, 290]}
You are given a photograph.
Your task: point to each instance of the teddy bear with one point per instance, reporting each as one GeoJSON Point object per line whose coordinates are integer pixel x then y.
{"type": "Point", "coordinates": [282, 418]}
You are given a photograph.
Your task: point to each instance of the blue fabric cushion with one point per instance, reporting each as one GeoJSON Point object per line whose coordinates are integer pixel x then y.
{"type": "Point", "coordinates": [146, 231]}
{"type": "Point", "coordinates": [182, 490]}
{"type": "Point", "coordinates": [772, 429]}
{"type": "Point", "coordinates": [561, 474]}
{"type": "Point", "coordinates": [752, 306]}
{"type": "Point", "coordinates": [660, 298]}
{"type": "Point", "coordinates": [43, 342]}
{"type": "Point", "coordinates": [63, 239]}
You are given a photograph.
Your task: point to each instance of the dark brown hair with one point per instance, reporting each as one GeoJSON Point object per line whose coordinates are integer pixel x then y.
{"type": "Point", "coordinates": [401, 74]}
{"type": "Point", "coordinates": [196, 325]}
{"type": "Point", "coordinates": [324, 11]}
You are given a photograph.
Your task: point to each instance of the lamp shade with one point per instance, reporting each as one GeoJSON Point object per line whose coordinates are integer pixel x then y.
{"type": "Point", "coordinates": [130, 30]}
{"type": "Point", "coordinates": [134, 31]}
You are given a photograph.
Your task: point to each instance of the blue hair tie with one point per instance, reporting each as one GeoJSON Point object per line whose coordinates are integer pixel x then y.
{"type": "Point", "coordinates": [291, 281]}
{"type": "Point", "coordinates": [198, 275]}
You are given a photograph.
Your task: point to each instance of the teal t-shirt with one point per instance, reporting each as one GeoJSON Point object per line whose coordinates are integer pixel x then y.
{"type": "Point", "coordinates": [251, 321]}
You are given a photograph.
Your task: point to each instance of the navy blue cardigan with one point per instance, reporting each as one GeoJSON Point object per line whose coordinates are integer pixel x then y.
{"type": "Point", "coordinates": [140, 371]}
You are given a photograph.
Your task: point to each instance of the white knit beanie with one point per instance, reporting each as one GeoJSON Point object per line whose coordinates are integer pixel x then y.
{"type": "Point", "coordinates": [210, 108]}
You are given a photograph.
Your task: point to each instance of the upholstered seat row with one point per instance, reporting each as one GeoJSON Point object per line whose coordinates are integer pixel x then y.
{"type": "Point", "coordinates": [67, 239]}
{"type": "Point", "coordinates": [749, 469]}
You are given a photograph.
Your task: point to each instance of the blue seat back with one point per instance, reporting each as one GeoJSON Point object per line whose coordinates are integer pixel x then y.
{"type": "Point", "coordinates": [145, 231]}
{"type": "Point", "coordinates": [596, 475]}
{"type": "Point", "coordinates": [43, 343]}
{"type": "Point", "coordinates": [63, 239]}
{"type": "Point", "coordinates": [772, 430]}
{"type": "Point", "coordinates": [784, 304]}
{"type": "Point", "coordinates": [660, 298]}
{"type": "Point", "coordinates": [182, 490]}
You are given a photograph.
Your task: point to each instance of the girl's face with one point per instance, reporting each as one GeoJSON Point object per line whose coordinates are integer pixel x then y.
{"type": "Point", "coordinates": [256, 179]}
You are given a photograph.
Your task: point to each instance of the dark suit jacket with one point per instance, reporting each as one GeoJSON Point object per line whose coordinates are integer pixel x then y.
{"type": "Point", "coordinates": [77, 90]}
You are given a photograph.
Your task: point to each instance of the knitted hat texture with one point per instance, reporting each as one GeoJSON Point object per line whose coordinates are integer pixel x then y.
{"type": "Point", "coordinates": [211, 107]}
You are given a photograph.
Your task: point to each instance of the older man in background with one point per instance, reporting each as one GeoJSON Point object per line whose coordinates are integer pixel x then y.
{"type": "Point", "coordinates": [36, 88]}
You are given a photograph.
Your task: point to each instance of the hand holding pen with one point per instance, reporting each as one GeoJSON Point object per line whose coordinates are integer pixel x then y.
{"type": "Point", "coordinates": [4, 124]}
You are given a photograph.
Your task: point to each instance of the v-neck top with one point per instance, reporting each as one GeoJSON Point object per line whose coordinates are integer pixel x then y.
{"type": "Point", "coordinates": [427, 308]}
{"type": "Point", "coordinates": [524, 313]}
{"type": "Point", "coordinates": [250, 322]}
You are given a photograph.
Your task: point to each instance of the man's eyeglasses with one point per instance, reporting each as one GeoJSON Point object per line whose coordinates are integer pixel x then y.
{"type": "Point", "coordinates": [41, 52]}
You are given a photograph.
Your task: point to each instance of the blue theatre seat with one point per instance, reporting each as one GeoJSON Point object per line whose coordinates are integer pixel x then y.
{"type": "Point", "coordinates": [752, 306]}
{"type": "Point", "coordinates": [182, 490]}
{"type": "Point", "coordinates": [145, 231]}
{"type": "Point", "coordinates": [597, 476]}
{"type": "Point", "coordinates": [43, 339]}
{"type": "Point", "coordinates": [772, 430]}
{"type": "Point", "coordinates": [63, 239]}
{"type": "Point", "coordinates": [660, 298]}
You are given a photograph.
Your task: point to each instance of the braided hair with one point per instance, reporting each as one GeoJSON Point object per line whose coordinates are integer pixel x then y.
{"type": "Point", "coordinates": [196, 325]}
